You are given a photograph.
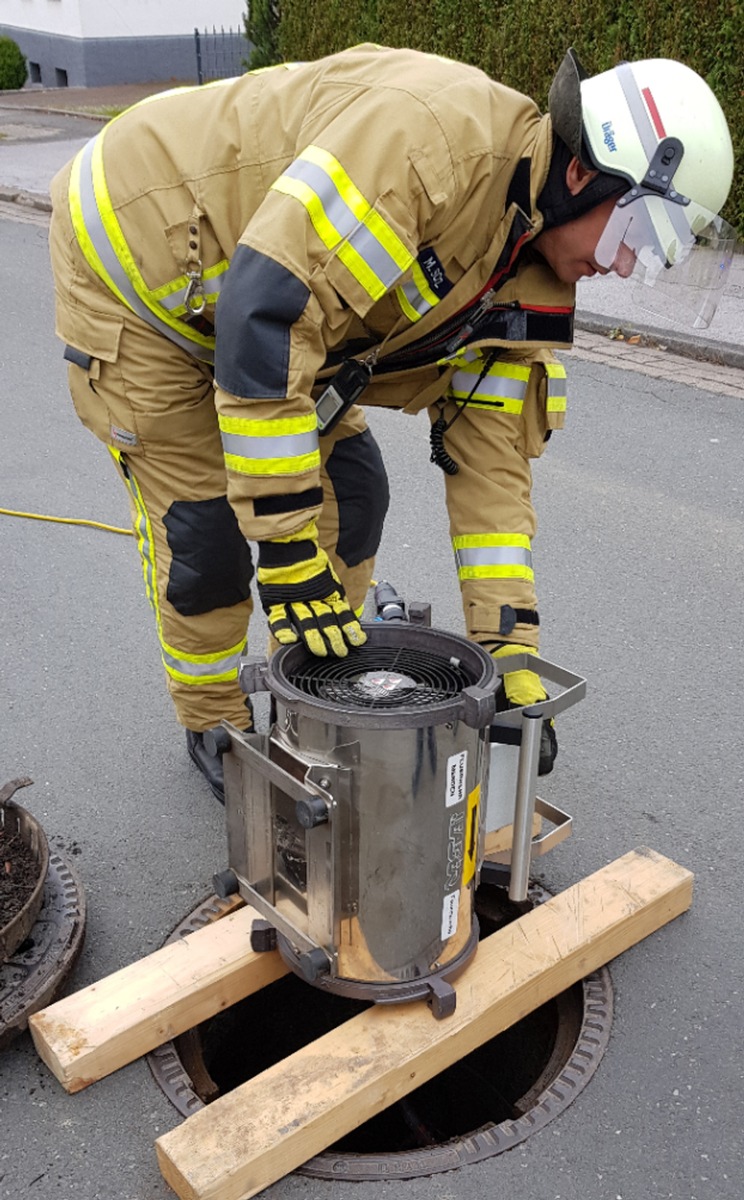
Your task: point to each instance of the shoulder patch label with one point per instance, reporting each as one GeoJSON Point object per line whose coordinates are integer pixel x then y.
{"type": "Point", "coordinates": [428, 260]}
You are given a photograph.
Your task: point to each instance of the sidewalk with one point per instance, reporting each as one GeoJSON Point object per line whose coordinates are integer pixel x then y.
{"type": "Point", "coordinates": [42, 128]}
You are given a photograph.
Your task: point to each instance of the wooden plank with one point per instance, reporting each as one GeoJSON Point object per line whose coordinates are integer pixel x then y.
{"type": "Point", "coordinates": [93, 1032]}
{"type": "Point", "coordinates": [252, 1136]}
{"type": "Point", "coordinates": [498, 841]}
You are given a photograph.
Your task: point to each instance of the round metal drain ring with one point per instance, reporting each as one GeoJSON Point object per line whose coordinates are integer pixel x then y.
{"type": "Point", "coordinates": [581, 1017]}
{"type": "Point", "coordinates": [31, 977]}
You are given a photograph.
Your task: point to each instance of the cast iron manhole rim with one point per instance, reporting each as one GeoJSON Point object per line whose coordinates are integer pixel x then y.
{"type": "Point", "coordinates": [33, 976]}
{"type": "Point", "coordinates": [170, 1074]}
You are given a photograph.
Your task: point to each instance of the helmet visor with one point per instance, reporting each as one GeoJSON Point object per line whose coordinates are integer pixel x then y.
{"type": "Point", "coordinates": [681, 253]}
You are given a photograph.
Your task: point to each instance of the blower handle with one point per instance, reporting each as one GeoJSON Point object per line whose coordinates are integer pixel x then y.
{"type": "Point", "coordinates": [389, 605]}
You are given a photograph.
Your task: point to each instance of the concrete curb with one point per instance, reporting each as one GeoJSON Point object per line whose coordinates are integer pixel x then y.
{"type": "Point", "coordinates": [30, 199]}
{"type": "Point", "coordinates": [687, 345]}
{"type": "Point", "coordinates": [55, 112]}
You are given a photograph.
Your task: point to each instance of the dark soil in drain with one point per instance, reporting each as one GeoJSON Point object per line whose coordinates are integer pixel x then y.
{"type": "Point", "coordinates": [19, 874]}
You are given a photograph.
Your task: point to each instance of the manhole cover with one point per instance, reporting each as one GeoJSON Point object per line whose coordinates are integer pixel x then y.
{"type": "Point", "coordinates": [32, 976]}
{"type": "Point", "coordinates": [488, 1102]}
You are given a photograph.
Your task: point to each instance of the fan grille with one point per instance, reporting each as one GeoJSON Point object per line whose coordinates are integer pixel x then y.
{"type": "Point", "coordinates": [382, 677]}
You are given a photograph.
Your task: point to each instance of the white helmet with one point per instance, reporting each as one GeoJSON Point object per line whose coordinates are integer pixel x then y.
{"type": "Point", "coordinates": [657, 125]}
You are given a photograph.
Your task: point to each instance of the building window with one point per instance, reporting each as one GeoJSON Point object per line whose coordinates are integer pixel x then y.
{"type": "Point", "coordinates": [60, 77]}
{"type": "Point", "coordinates": [34, 71]}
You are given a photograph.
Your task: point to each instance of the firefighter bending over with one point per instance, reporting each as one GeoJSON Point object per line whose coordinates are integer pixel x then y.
{"type": "Point", "coordinates": [238, 265]}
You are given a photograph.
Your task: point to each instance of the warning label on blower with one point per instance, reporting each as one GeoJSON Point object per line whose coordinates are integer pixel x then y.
{"type": "Point", "coordinates": [450, 913]}
{"type": "Point", "coordinates": [457, 769]}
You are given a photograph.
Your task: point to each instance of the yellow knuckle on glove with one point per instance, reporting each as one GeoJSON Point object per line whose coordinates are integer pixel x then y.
{"type": "Point", "coordinates": [354, 634]}
{"type": "Point", "coordinates": [315, 643]}
{"type": "Point", "coordinates": [285, 637]}
{"type": "Point", "coordinates": [336, 641]}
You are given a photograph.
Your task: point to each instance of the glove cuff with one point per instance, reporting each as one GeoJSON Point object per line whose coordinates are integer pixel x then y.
{"type": "Point", "coordinates": [286, 551]}
{"type": "Point", "coordinates": [317, 587]}
{"type": "Point", "coordinates": [285, 554]}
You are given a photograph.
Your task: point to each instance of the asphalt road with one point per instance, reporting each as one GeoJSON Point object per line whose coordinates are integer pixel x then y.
{"type": "Point", "coordinates": [641, 571]}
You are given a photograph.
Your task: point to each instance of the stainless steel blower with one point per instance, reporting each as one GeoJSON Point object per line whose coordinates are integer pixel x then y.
{"type": "Point", "coordinates": [355, 825]}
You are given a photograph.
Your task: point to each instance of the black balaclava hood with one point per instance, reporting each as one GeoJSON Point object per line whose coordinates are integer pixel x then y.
{"type": "Point", "coordinates": [555, 201]}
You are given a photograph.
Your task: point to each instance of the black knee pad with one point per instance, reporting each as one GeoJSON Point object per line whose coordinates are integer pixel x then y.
{"type": "Point", "coordinates": [211, 565]}
{"type": "Point", "coordinates": [360, 483]}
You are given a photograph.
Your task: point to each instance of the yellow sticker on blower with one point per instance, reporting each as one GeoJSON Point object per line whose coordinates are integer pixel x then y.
{"type": "Point", "coordinates": [471, 837]}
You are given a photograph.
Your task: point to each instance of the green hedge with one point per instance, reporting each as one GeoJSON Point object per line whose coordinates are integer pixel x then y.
{"type": "Point", "coordinates": [12, 65]}
{"type": "Point", "coordinates": [522, 43]}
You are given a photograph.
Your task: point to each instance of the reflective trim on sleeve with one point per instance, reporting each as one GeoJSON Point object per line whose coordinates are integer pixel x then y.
{"type": "Point", "coordinates": [493, 556]}
{"type": "Point", "coordinates": [193, 669]}
{"type": "Point", "coordinates": [557, 387]}
{"type": "Point", "coordinates": [102, 242]}
{"type": "Point", "coordinates": [504, 387]}
{"type": "Point", "coordinates": [286, 446]}
{"type": "Point", "coordinates": [345, 221]}
{"type": "Point", "coordinates": [416, 297]}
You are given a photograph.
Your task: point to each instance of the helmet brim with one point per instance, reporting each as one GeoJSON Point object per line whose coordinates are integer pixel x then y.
{"type": "Point", "coordinates": [564, 104]}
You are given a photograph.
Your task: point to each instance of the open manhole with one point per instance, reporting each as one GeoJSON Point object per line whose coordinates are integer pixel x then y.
{"type": "Point", "coordinates": [488, 1102]}
{"type": "Point", "coordinates": [33, 975]}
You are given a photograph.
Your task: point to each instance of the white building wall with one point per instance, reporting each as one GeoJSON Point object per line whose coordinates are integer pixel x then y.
{"type": "Point", "coordinates": [120, 18]}
{"type": "Point", "coordinates": [155, 18]}
{"type": "Point", "coordinates": [61, 17]}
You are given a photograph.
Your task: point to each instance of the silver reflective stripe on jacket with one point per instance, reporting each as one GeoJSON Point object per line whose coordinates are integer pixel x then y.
{"type": "Point", "coordinates": [102, 243]}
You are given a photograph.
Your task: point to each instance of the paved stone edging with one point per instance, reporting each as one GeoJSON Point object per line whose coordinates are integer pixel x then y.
{"type": "Point", "coordinates": [725, 354]}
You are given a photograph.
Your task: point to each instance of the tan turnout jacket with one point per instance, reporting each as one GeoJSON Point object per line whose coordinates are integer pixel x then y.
{"type": "Point", "coordinates": [377, 204]}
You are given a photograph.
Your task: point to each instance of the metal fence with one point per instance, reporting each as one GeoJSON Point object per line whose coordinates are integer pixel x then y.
{"type": "Point", "coordinates": [220, 53]}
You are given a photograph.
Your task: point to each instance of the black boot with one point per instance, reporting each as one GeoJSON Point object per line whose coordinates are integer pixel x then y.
{"type": "Point", "coordinates": [206, 750]}
{"type": "Point", "coordinates": [210, 765]}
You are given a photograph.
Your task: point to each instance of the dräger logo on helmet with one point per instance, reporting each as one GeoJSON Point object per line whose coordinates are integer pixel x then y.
{"type": "Point", "coordinates": [609, 136]}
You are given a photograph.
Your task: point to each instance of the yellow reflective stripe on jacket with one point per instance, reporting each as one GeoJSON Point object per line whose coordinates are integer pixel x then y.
{"type": "Point", "coordinates": [493, 556]}
{"type": "Point", "coordinates": [192, 669]}
{"type": "Point", "coordinates": [345, 221]}
{"type": "Point", "coordinates": [416, 297]}
{"type": "Point", "coordinates": [503, 387]}
{"type": "Point", "coordinates": [102, 242]}
{"type": "Point", "coordinates": [285, 446]}
{"type": "Point", "coordinates": [557, 387]}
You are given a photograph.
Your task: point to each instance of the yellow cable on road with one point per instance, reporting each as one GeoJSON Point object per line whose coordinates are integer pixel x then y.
{"type": "Point", "coordinates": [9, 512]}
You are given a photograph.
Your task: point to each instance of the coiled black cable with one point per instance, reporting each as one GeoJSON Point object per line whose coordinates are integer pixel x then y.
{"type": "Point", "coordinates": [439, 455]}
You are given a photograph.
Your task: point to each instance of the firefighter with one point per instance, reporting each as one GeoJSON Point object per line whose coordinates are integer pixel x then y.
{"type": "Point", "coordinates": [237, 265]}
